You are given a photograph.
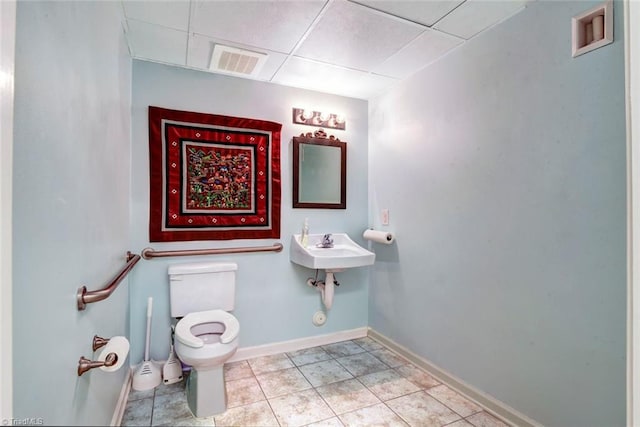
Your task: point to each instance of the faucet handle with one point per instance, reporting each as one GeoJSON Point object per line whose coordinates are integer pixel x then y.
{"type": "Point", "coordinates": [327, 240]}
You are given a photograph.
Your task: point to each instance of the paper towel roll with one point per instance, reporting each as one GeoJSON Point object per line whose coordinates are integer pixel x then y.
{"type": "Point", "coordinates": [118, 345]}
{"type": "Point", "coordinates": [383, 237]}
{"type": "Point", "coordinates": [597, 23]}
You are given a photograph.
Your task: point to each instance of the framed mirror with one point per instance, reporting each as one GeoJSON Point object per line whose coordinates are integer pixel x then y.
{"type": "Point", "coordinates": [319, 173]}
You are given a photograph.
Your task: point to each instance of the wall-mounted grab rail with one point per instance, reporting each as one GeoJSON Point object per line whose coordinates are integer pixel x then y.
{"type": "Point", "coordinates": [149, 253]}
{"type": "Point", "coordinates": [85, 297]}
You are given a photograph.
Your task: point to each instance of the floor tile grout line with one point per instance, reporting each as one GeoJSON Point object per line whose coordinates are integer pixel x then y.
{"type": "Point", "coordinates": [456, 421]}
{"type": "Point", "coordinates": [249, 403]}
{"type": "Point", "coordinates": [477, 412]}
{"type": "Point", "coordinates": [275, 416]}
{"type": "Point", "coordinates": [365, 407]}
{"type": "Point", "coordinates": [401, 395]}
{"type": "Point", "coordinates": [304, 376]}
{"type": "Point", "coordinates": [409, 362]}
{"type": "Point", "coordinates": [449, 407]}
{"type": "Point", "coordinates": [337, 382]}
{"type": "Point", "coordinates": [396, 413]}
{"type": "Point", "coordinates": [153, 406]}
{"type": "Point", "coordinates": [354, 375]}
{"type": "Point", "coordinates": [299, 391]}
{"type": "Point", "coordinates": [335, 414]}
{"type": "Point", "coordinates": [482, 408]}
{"type": "Point", "coordinates": [335, 357]}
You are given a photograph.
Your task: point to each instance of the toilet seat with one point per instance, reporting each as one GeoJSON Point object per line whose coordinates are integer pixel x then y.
{"type": "Point", "coordinates": [185, 336]}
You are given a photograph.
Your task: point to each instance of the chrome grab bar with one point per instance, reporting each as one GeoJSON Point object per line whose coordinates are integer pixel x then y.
{"type": "Point", "coordinates": [150, 253]}
{"type": "Point", "coordinates": [84, 297]}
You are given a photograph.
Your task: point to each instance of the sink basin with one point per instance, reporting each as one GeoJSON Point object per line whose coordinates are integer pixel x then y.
{"type": "Point", "coordinates": [345, 253]}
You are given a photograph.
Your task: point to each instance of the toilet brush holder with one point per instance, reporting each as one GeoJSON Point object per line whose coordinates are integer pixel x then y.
{"type": "Point", "coordinates": [147, 376]}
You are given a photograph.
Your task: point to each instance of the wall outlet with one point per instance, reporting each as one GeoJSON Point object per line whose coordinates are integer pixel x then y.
{"type": "Point", "coordinates": [385, 216]}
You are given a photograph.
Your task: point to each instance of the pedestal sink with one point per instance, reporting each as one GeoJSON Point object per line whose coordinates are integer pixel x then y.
{"type": "Point", "coordinates": [343, 254]}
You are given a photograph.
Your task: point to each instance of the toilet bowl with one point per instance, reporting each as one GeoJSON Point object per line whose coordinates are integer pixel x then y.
{"type": "Point", "coordinates": [205, 340]}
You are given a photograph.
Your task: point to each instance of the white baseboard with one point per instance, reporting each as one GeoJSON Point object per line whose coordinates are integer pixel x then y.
{"type": "Point", "coordinates": [244, 353]}
{"type": "Point", "coordinates": [494, 406]}
{"type": "Point", "coordinates": [121, 405]}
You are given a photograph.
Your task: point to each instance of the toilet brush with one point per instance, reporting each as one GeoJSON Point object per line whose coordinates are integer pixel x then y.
{"type": "Point", "coordinates": [172, 370]}
{"type": "Point", "coordinates": [147, 376]}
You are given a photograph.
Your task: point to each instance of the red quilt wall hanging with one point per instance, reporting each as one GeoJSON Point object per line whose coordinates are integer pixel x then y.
{"type": "Point", "coordinates": [213, 177]}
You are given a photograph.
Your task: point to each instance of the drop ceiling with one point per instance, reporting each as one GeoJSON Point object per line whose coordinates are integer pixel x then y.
{"type": "Point", "coordinates": [351, 48]}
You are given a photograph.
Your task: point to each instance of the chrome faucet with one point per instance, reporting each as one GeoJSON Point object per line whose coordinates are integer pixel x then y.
{"type": "Point", "coordinates": [327, 241]}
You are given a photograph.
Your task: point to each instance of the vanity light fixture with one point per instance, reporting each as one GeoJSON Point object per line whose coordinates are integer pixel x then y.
{"type": "Point", "coordinates": [309, 117]}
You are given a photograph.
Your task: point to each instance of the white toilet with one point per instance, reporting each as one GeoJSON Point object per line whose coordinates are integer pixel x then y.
{"type": "Point", "coordinates": [207, 335]}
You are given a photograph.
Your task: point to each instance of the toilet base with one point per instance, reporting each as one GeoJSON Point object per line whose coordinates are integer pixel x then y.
{"type": "Point", "coordinates": [206, 392]}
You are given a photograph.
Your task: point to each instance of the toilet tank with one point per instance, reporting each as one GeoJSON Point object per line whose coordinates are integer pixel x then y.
{"type": "Point", "coordinates": [202, 286]}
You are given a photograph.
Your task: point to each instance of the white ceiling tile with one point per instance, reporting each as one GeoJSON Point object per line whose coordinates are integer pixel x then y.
{"type": "Point", "coordinates": [355, 36]}
{"type": "Point", "coordinates": [273, 25]}
{"type": "Point", "coordinates": [307, 74]}
{"type": "Point", "coordinates": [172, 14]}
{"type": "Point", "coordinates": [157, 43]}
{"type": "Point", "coordinates": [428, 47]}
{"type": "Point", "coordinates": [353, 48]}
{"type": "Point", "coordinates": [474, 16]}
{"type": "Point", "coordinates": [201, 47]}
{"type": "Point", "coordinates": [426, 12]}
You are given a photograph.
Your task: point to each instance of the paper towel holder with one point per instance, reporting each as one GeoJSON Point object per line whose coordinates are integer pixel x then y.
{"type": "Point", "coordinates": [85, 364]}
{"type": "Point", "coordinates": [592, 29]}
{"type": "Point", "coordinates": [384, 237]}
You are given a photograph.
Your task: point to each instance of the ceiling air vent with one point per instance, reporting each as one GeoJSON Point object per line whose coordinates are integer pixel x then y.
{"type": "Point", "coordinates": [227, 59]}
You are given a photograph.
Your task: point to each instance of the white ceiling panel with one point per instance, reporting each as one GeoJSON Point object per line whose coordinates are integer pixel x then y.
{"type": "Point", "coordinates": [201, 48]}
{"type": "Point", "coordinates": [473, 16]}
{"type": "Point", "coordinates": [355, 36]}
{"type": "Point", "coordinates": [304, 73]}
{"type": "Point", "coordinates": [273, 25]}
{"type": "Point", "coordinates": [428, 47]}
{"type": "Point", "coordinates": [355, 48]}
{"type": "Point", "coordinates": [172, 14]}
{"type": "Point", "coordinates": [162, 44]}
{"type": "Point", "coordinates": [426, 12]}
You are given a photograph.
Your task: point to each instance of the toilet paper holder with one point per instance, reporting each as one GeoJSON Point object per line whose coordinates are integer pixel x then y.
{"type": "Point", "coordinates": [99, 342]}
{"type": "Point", "coordinates": [85, 364]}
{"type": "Point", "coordinates": [110, 359]}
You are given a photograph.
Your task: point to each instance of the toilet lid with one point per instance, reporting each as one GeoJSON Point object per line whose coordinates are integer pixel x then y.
{"type": "Point", "coordinates": [183, 328]}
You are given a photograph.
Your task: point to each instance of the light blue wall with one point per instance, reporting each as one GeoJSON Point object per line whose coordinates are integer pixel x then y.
{"type": "Point", "coordinates": [71, 205]}
{"type": "Point", "coordinates": [273, 303]}
{"type": "Point", "coordinates": [503, 165]}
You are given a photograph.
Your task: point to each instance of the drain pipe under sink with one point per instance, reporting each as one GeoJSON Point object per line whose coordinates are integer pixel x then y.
{"type": "Point", "coordinates": [325, 287]}
{"type": "Point", "coordinates": [326, 290]}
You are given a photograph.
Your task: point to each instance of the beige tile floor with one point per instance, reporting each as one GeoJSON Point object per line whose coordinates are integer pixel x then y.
{"type": "Point", "coordinates": [350, 383]}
